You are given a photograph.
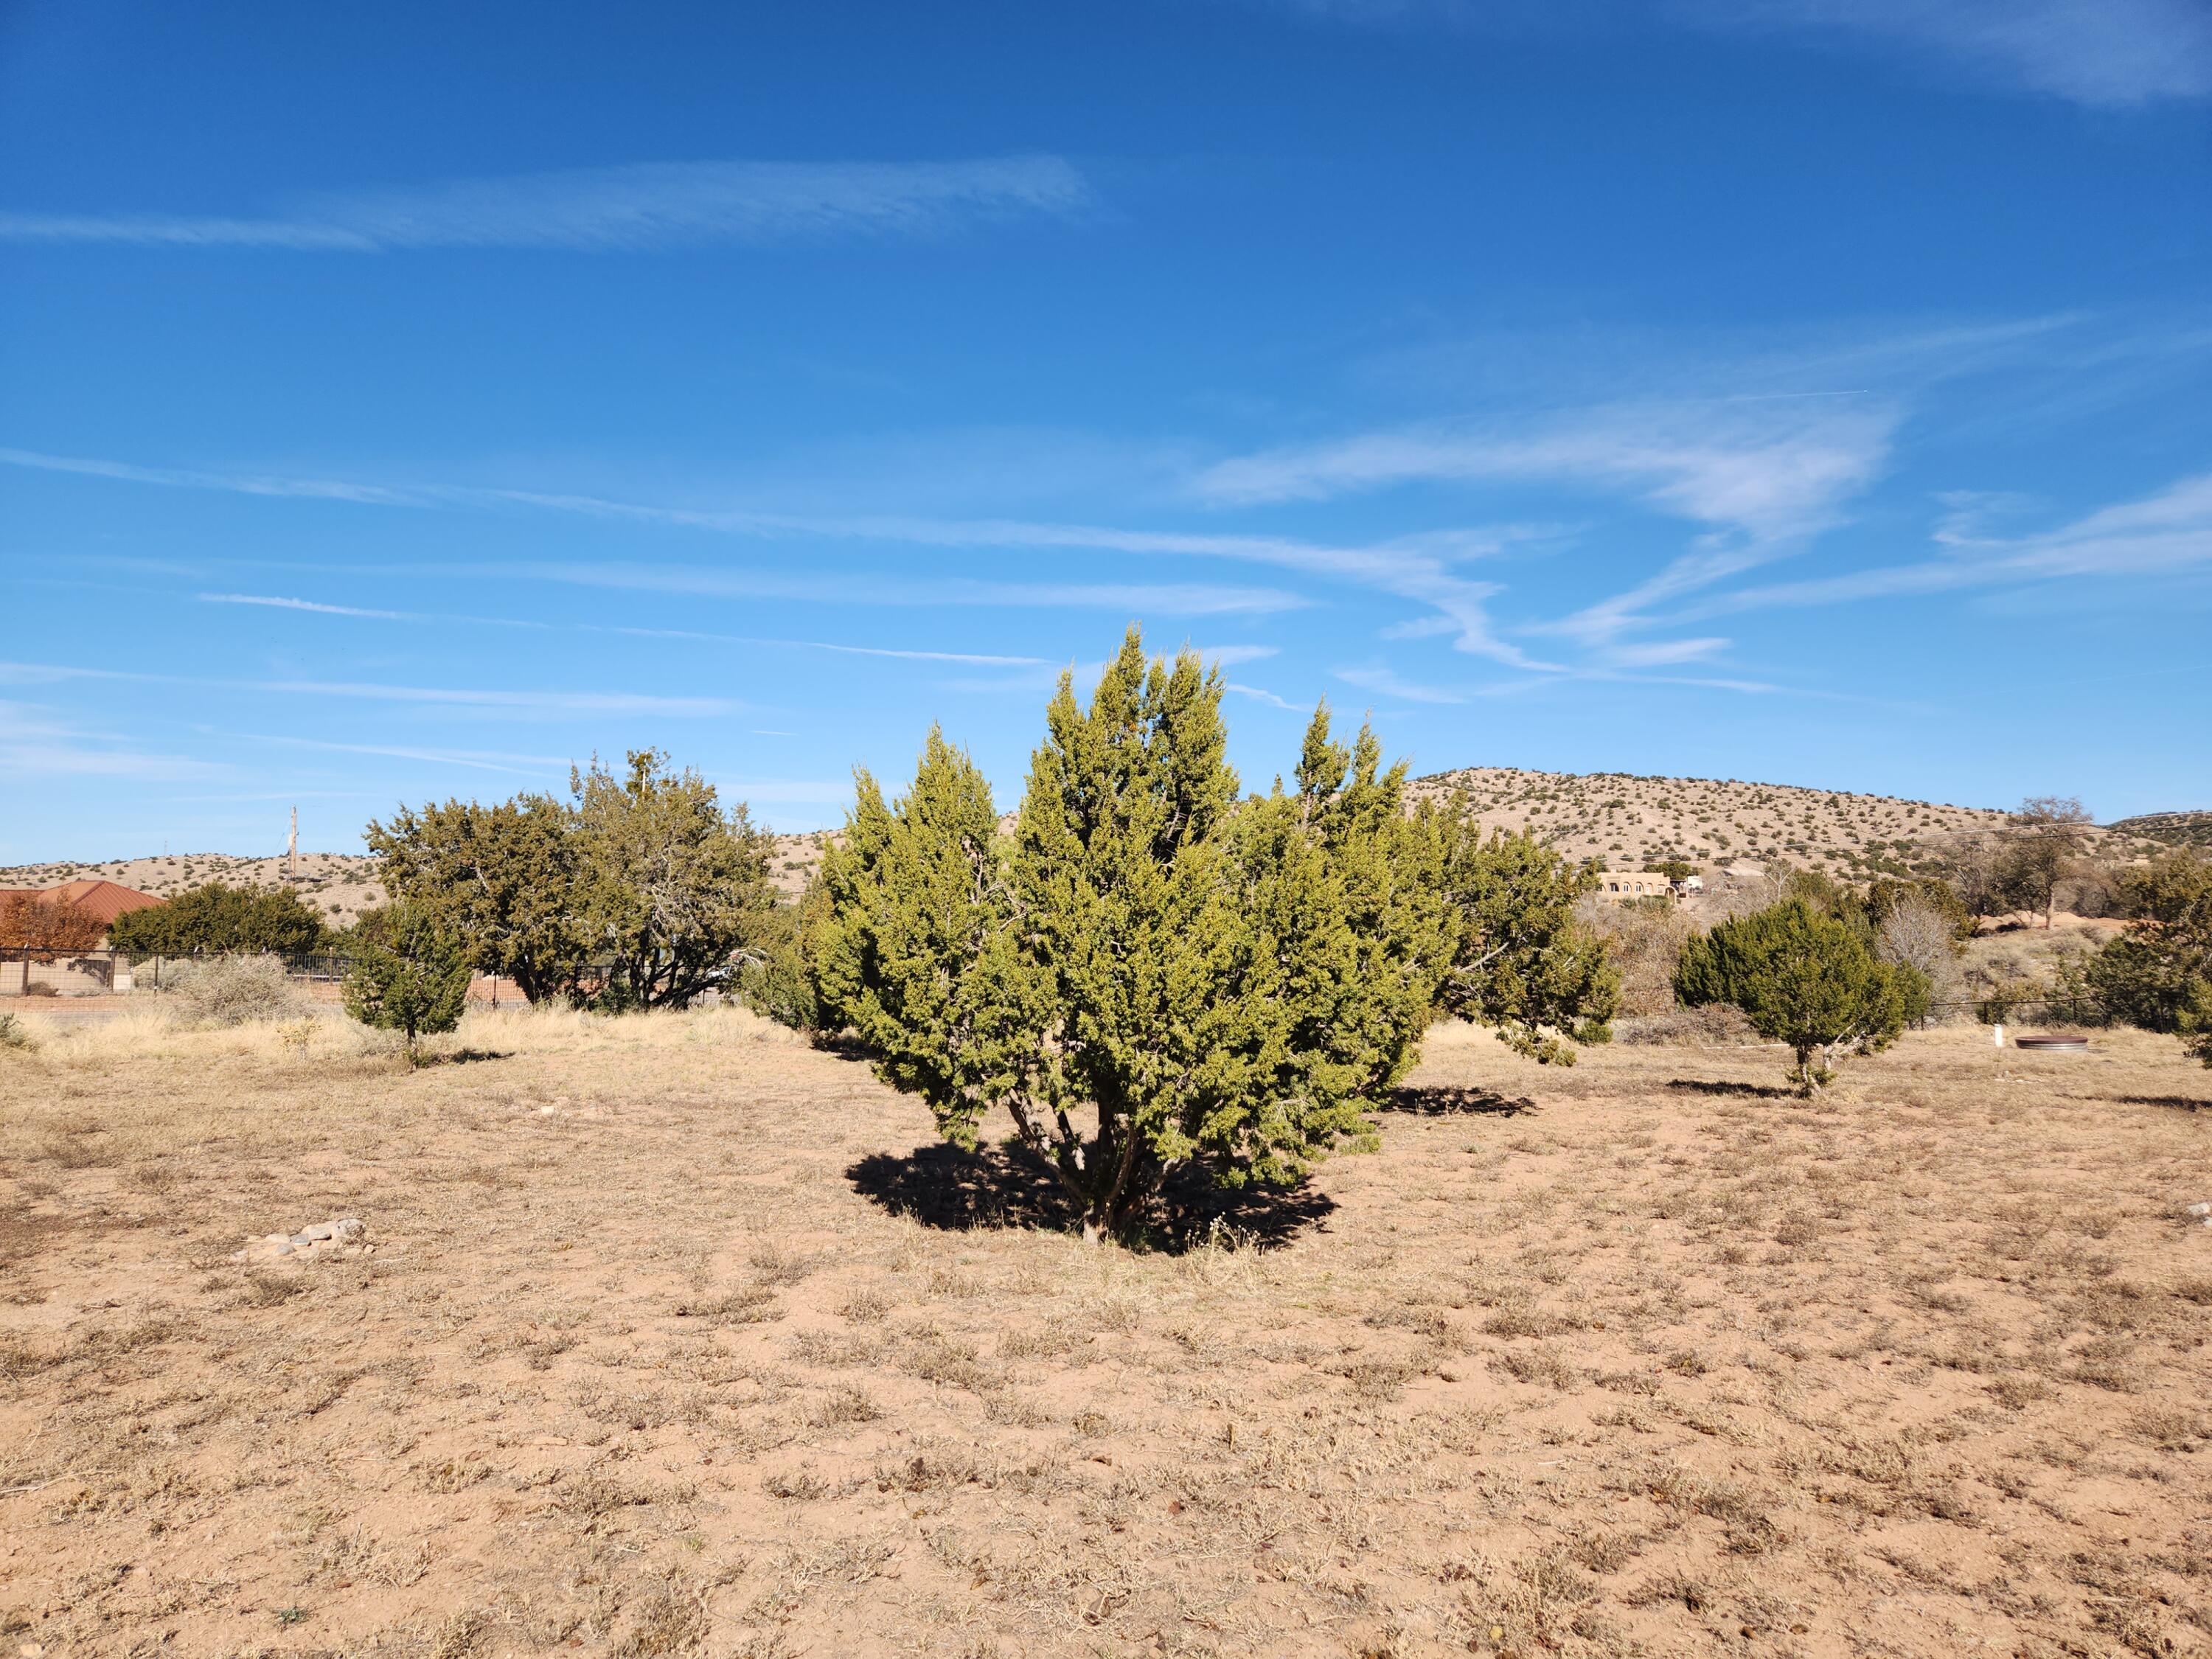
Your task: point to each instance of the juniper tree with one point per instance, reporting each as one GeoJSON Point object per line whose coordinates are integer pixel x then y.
{"type": "Point", "coordinates": [1805, 979]}
{"type": "Point", "coordinates": [502, 879]}
{"type": "Point", "coordinates": [916, 952]}
{"type": "Point", "coordinates": [1521, 963]}
{"type": "Point", "coordinates": [415, 979]}
{"type": "Point", "coordinates": [2158, 974]}
{"type": "Point", "coordinates": [1145, 975]}
{"type": "Point", "coordinates": [216, 917]}
{"type": "Point", "coordinates": [670, 884]}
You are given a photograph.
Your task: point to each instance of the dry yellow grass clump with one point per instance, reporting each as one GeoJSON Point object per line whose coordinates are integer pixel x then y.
{"type": "Point", "coordinates": [680, 1336]}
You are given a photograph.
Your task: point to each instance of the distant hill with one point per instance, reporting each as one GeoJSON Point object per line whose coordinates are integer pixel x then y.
{"type": "Point", "coordinates": [1629, 820]}
{"type": "Point", "coordinates": [2175, 829]}
{"type": "Point", "coordinates": [339, 885]}
{"type": "Point", "coordinates": [1626, 819]}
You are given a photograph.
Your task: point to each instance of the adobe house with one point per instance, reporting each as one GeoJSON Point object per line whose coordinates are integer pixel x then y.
{"type": "Point", "coordinates": [1619, 886]}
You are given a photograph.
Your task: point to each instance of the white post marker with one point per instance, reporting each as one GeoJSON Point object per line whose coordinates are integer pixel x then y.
{"type": "Point", "coordinates": [2000, 1037]}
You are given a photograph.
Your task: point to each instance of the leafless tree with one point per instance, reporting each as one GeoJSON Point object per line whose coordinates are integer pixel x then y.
{"type": "Point", "coordinates": [1916, 934]}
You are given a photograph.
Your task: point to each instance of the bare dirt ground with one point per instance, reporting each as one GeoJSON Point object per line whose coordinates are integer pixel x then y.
{"type": "Point", "coordinates": [679, 1336]}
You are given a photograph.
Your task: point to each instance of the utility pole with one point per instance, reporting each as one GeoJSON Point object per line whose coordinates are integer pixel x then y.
{"type": "Point", "coordinates": [292, 848]}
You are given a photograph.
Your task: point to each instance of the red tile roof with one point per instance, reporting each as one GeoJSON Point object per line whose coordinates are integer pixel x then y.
{"type": "Point", "coordinates": [105, 899]}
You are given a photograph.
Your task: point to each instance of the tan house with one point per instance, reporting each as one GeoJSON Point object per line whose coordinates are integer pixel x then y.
{"type": "Point", "coordinates": [1619, 886]}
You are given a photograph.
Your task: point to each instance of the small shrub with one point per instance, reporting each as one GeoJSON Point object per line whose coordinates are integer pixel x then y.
{"type": "Point", "coordinates": [1716, 1026]}
{"type": "Point", "coordinates": [14, 1035]}
{"type": "Point", "coordinates": [228, 991]}
{"type": "Point", "coordinates": [1805, 979]}
{"type": "Point", "coordinates": [418, 982]}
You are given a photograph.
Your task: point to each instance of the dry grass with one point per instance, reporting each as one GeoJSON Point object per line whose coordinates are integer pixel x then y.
{"type": "Point", "coordinates": [655, 1355]}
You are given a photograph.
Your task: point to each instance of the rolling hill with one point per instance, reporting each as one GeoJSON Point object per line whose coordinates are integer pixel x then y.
{"type": "Point", "coordinates": [2175, 829]}
{"type": "Point", "coordinates": [1626, 819]}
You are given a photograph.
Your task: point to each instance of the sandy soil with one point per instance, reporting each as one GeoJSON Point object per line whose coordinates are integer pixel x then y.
{"type": "Point", "coordinates": [678, 1336]}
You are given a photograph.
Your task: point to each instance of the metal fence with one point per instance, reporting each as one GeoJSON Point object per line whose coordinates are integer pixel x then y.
{"type": "Point", "coordinates": [104, 973]}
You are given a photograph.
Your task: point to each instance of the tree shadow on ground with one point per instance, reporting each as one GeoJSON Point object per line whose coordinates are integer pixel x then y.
{"type": "Point", "coordinates": [2179, 1103]}
{"type": "Point", "coordinates": [463, 1057]}
{"type": "Point", "coordinates": [1434, 1100]}
{"type": "Point", "coordinates": [1759, 1090]}
{"type": "Point", "coordinates": [941, 1186]}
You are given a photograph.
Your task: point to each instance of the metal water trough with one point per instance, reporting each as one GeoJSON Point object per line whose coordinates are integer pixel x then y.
{"type": "Point", "coordinates": [2054, 1045]}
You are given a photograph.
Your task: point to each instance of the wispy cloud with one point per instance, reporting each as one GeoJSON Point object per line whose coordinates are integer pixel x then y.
{"type": "Point", "coordinates": [478, 759]}
{"type": "Point", "coordinates": [1761, 477]}
{"type": "Point", "coordinates": [1390, 684]}
{"type": "Point", "coordinates": [971, 658]}
{"type": "Point", "coordinates": [1419, 568]}
{"type": "Point", "coordinates": [1771, 471]}
{"type": "Point", "coordinates": [483, 700]}
{"type": "Point", "coordinates": [564, 702]}
{"type": "Point", "coordinates": [651, 205]}
{"type": "Point", "coordinates": [1257, 695]}
{"type": "Point", "coordinates": [1232, 656]}
{"type": "Point", "coordinates": [2160, 534]}
{"type": "Point", "coordinates": [273, 603]}
{"type": "Point", "coordinates": [238, 483]}
{"type": "Point", "coordinates": [2099, 52]}
{"type": "Point", "coordinates": [1129, 599]}
{"type": "Point", "coordinates": [2103, 52]}
{"type": "Point", "coordinates": [34, 743]}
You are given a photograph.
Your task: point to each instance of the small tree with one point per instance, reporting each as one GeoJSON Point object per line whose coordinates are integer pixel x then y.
{"type": "Point", "coordinates": [1804, 979]}
{"type": "Point", "coordinates": [776, 978]}
{"type": "Point", "coordinates": [2042, 846]}
{"type": "Point", "coordinates": [2158, 974]}
{"type": "Point", "coordinates": [1913, 934]}
{"type": "Point", "coordinates": [216, 918]}
{"type": "Point", "coordinates": [502, 879]}
{"type": "Point", "coordinates": [41, 921]}
{"type": "Point", "coordinates": [670, 884]}
{"type": "Point", "coordinates": [1890, 893]}
{"type": "Point", "coordinates": [416, 981]}
{"type": "Point", "coordinates": [1145, 976]}
{"type": "Point", "coordinates": [1521, 962]}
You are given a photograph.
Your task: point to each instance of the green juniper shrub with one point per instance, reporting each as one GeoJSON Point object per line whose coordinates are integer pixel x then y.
{"type": "Point", "coordinates": [217, 918]}
{"type": "Point", "coordinates": [1145, 974]}
{"type": "Point", "coordinates": [414, 981]}
{"type": "Point", "coordinates": [2158, 974]}
{"type": "Point", "coordinates": [1804, 979]}
{"type": "Point", "coordinates": [640, 891]}
{"type": "Point", "coordinates": [775, 978]}
{"type": "Point", "coordinates": [1521, 962]}
{"type": "Point", "coordinates": [501, 878]}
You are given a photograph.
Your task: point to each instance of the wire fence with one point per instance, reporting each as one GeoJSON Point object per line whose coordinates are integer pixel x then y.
{"type": "Point", "coordinates": [33, 973]}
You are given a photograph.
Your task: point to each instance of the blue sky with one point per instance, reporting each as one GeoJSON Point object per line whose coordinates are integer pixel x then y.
{"type": "Point", "coordinates": [405, 401]}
